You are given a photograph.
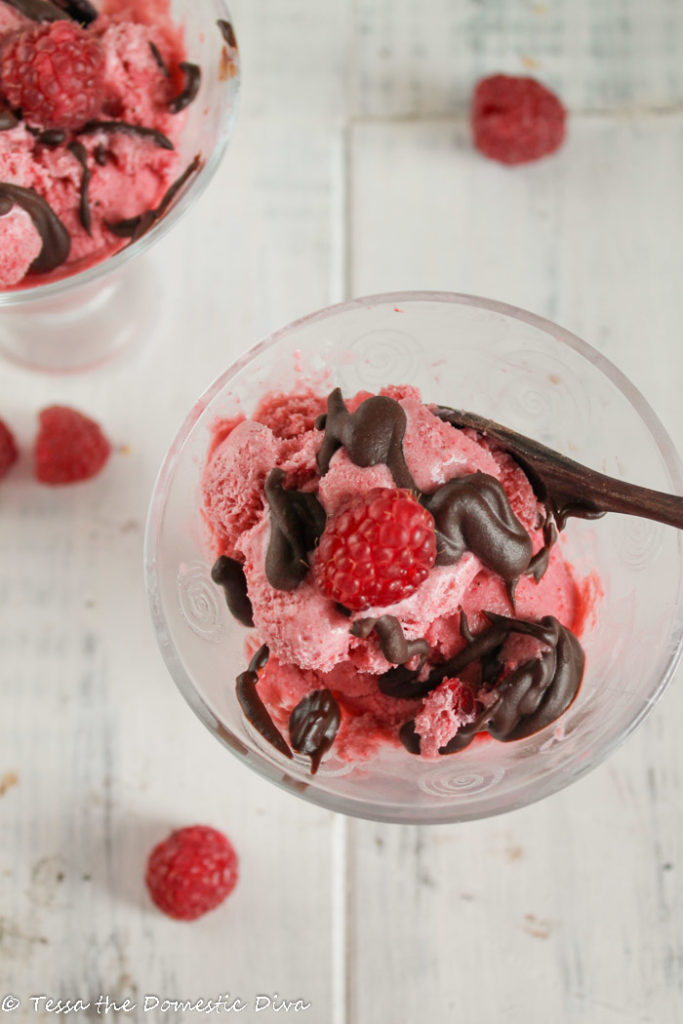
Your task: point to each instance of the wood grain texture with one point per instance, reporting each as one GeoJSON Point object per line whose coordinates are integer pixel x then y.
{"type": "Point", "coordinates": [589, 237]}
{"type": "Point", "coordinates": [417, 60]}
{"type": "Point", "coordinates": [565, 911]}
{"type": "Point", "coordinates": [351, 171]}
{"type": "Point", "coordinates": [106, 755]}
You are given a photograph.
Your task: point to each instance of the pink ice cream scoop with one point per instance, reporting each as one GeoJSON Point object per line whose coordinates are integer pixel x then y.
{"type": "Point", "coordinates": [92, 102]}
{"type": "Point", "coordinates": [312, 517]}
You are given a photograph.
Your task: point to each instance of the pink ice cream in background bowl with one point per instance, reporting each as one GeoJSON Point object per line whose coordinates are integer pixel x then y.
{"type": "Point", "coordinates": [77, 203]}
{"type": "Point", "coordinates": [614, 582]}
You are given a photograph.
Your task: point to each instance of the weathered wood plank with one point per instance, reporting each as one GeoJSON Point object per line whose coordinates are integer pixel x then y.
{"type": "Point", "coordinates": [565, 911]}
{"type": "Point", "coordinates": [423, 59]}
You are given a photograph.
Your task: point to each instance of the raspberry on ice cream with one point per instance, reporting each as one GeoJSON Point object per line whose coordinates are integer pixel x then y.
{"type": "Point", "coordinates": [516, 119]}
{"type": "Point", "coordinates": [191, 872]}
{"type": "Point", "coordinates": [376, 551]}
{"type": "Point", "coordinates": [313, 524]}
{"type": "Point", "coordinates": [91, 114]}
{"type": "Point", "coordinates": [54, 74]}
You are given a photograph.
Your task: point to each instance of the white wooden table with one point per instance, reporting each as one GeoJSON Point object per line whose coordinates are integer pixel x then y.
{"type": "Point", "coordinates": [350, 172]}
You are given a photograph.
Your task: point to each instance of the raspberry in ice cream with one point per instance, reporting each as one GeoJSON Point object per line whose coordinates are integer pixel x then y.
{"type": "Point", "coordinates": [307, 511]}
{"type": "Point", "coordinates": [91, 113]}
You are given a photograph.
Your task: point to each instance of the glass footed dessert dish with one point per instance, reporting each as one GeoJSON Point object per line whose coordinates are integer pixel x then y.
{"type": "Point", "coordinates": [114, 115]}
{"type": "Point", "coordinates": [521, 638]}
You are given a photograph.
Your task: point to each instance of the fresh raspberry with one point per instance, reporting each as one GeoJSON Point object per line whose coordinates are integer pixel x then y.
{"type": "Point", "coordinates": [54, 74]}
{"type": "Point", "coordinates": [377, 551]}
{"type": "Point", "coordinates": [191, 872]}
{"type": "Point", "coordinates": [515, 120]}
{"type": "Point", "coordinates": [8, 449]}
{"type": "Point", "coordinates": [69, 446]}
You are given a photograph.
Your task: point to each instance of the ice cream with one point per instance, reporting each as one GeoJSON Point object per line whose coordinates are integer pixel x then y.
{"type": "Point", "coordinates": [315, 505]}
{"type": "Point", "coordinates": [92, 103]}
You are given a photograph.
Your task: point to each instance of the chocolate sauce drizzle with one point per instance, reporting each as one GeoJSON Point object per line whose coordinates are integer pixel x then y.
{"type": "Point", "coordinates": [472, 513]}
{"type": "Point", "coordinates": [229, 574]}
{"type": "Point", "coordinates": [313, 726]}
{"type": "Point", "coordinates": [126, 128]}
{"type": "Point", "coordinates": [539, 563]}
{"type": "Point", "coordinates": [81, 154]}
{"type": "Point", "coordinates": [567, 488]}
{"type": "Point", "coordinates": [228, 33]}
{"type": "Point", "coordinates": [161, 63]}
{"type": "Point", "coordinates": [38, 10]}
{"type": "Point", "coordinates": [50, 137]}
{"type": "Point", "coordinates": [371, 435]}
{"type": "Point", "coordinates": [81, 11]}
{"type": "Point", "coordinates": [54, 236]}
{"type": "Point", "coordinates": [526, 699]}
{"type": "Point", "coordinates": [193, 76]}
{"type": "Point", "coordinates": [135, 227]}
{"type": "Point", "coordinates": [392, 641]}
{"type": "Point", "coordinates": [259, 659]}
{"type": "Point", "coordinates": [297, 519]}
{"type": "Point", "coordinates": [253, 707]}
{"type": "Point", "coordinates": [8, 119]}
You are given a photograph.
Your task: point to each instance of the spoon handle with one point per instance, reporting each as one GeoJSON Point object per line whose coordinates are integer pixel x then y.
{"type": "Point", "coordinates": [566, 487]}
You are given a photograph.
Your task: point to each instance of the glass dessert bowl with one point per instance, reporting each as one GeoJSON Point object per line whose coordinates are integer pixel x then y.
{"type": "Point", "coordinates": [99, 193]}
{"type": "Point", "coordinates": [516, 369]}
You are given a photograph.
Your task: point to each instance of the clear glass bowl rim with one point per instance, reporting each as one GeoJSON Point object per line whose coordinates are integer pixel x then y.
{"type": "Point", "coordinates": [54, 289]}
{"type": "Point", "coordinates": [174, 663]}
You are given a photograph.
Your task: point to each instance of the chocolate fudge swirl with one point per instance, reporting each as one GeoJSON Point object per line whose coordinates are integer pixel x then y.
{"type": "Point", "coordinates": [229, 574]}
{"type": "Point", "coordinates": [567, 488]}
{"type": "Point", "coordinates": [472, 513]}
{"type": "Point", "coordinates": [160, 62]}
{"type": "Point", "coordinates": [539, 563]}
{"type": "Point", "coordinates": [539, 691]}
{"type": "Point", "coordinates": [483, 648]}
{"type": "Point", "coordinates": [81, 154]}
{"type": "Point", "coordinates": [228, 33]}
{"type": "Point", "coordinates": [81, 11]}
{"type": "Point", "coordinates": [38, 10]}
{"type": "Point", "coordinates": [253, 707]}
{"type": "Point", "coordinates": [193, 76]}
{"type": "Point", "coordinates": [297, 519]}
{"type": "Point", "coordinates": [126, 128]}
{"type": "Point", "coordinates": [135, 227]}
{"type": "Point", "coordinates": [313, 725]}
{"type": "Point", "coordinates": [392, 641]}
{"type": "Point", "coordinates": [8, 119]}
{"type": "Point", "coordinates": [371, 435]}
{"type": "Point", "coordinates": [526, 699]}
{"type": "Point", "coordinates": [50, 137]}
{"type": "Point", "coordinates": [54, 236]}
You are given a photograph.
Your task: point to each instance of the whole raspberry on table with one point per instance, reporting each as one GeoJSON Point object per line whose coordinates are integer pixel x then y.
{"type": "Point", "coordinates": [377, 551]}
{"type": "Point", "coordinates": [69, 447]}
{"type": "Point", "coordinates": [191, 872]}
{"type": "Point", "coordinates": [516, 119]}
{"type": "Point", "coordinates": [54, 74]}
{"type": "Point", "coordinates": [8, 449]}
